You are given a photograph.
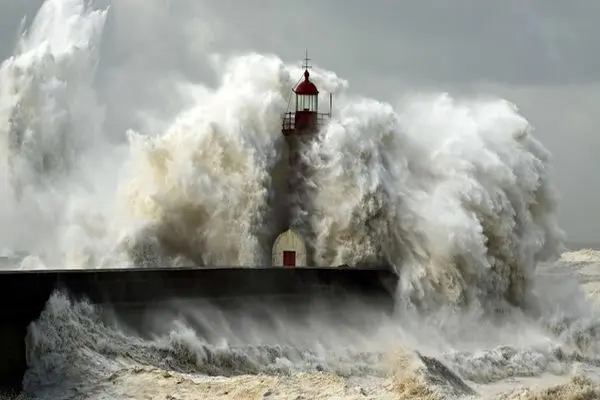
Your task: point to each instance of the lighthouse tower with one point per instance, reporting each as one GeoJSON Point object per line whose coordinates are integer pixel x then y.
{"type": "Point", "coordinates": [300, 128]}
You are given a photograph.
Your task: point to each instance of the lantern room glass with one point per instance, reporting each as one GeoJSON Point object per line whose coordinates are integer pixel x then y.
{"type": "Point", "coordinates": [307, 102]}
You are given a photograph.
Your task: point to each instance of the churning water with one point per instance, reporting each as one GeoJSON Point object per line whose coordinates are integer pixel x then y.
{"type": "Point", "coordinates": [454, 193]}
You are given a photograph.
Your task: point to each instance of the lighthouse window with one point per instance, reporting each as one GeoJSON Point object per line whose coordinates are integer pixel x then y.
{"type": "Point", "coordinates": [306, 103]}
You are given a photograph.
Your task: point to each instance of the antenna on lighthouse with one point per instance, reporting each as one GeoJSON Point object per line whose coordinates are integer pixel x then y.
{"type": "Point", "coordinates": [305, 64]}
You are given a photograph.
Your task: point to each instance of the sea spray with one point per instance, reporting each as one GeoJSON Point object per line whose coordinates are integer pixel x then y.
{"type": "Point", "coordinates": [50, 127]}
{"type": "Point", "coordinates": [454, 193]}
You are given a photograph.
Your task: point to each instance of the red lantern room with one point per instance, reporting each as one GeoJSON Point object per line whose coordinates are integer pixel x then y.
{"type": "Point", "coordinates": [306, 118]}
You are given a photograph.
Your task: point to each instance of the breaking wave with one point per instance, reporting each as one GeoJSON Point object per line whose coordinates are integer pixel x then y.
{"type": "Point", "coordinates": [454, 193]}
{"type": "Point", "coordinates": [74, 352]}
{"type": "Point", "coordinates": [581, 256]}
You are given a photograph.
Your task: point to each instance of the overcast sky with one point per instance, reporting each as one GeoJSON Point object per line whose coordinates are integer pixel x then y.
{"type": "Point", "coordinates": [544, 55]}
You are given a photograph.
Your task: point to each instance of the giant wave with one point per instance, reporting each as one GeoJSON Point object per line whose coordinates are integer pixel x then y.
{"type": "Point", "coordinates": [455, 193]}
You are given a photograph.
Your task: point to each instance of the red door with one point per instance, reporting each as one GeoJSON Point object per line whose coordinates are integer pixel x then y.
{"type": "Point", "coordinates": [289, 258]}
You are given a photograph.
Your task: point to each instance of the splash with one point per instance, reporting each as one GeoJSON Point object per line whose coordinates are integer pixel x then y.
{"type": "Point", "coordinates": [419, 377]}
{"type": "Point", "coordinates": [581, 256]}
{"type": "Point", "coordinates": [77, 347]}
{"type": "Point", "coordinates": [73, 349]}
{"type": "Point", "coordinates": [454, 194]}
{"type": "Point", "coordinates": [204, 186]}
{"type": "Point", "coordinates": [579, 387]}
{"type": "Point", "coordinates": [47, 93]}
{"type": "Point", "coordinates": [49, 118]}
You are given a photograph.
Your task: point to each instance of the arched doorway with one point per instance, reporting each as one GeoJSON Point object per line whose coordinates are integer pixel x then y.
{"type": "Point", "coordinates": [289, 250]}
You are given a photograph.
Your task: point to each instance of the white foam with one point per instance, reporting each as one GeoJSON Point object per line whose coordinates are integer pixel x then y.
{"type": "Point", "coordinates": [581, 256]}
{"type": "Point", "coordinates": [454, 193]}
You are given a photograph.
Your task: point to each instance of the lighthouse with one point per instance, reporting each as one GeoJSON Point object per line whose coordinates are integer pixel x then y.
{"type": "Point", "coordinates": [300, 127]}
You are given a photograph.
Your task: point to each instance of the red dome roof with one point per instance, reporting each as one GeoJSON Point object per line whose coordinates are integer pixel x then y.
{"type": "Point", "coordinates": [306, 87]}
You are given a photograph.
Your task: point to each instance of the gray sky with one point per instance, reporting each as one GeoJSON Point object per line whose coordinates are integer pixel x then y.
{"type": "Point", "coordinates": [544, 55]}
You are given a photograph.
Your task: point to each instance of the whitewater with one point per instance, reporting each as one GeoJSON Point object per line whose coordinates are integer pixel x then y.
{"type": "Point", "coordinates": [455, 193]}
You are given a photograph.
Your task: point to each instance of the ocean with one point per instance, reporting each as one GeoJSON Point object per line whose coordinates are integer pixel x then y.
{"type": "Point", "coordinates": [446, 355]}
{"type": "Point", "coordinates": [454, 193]}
